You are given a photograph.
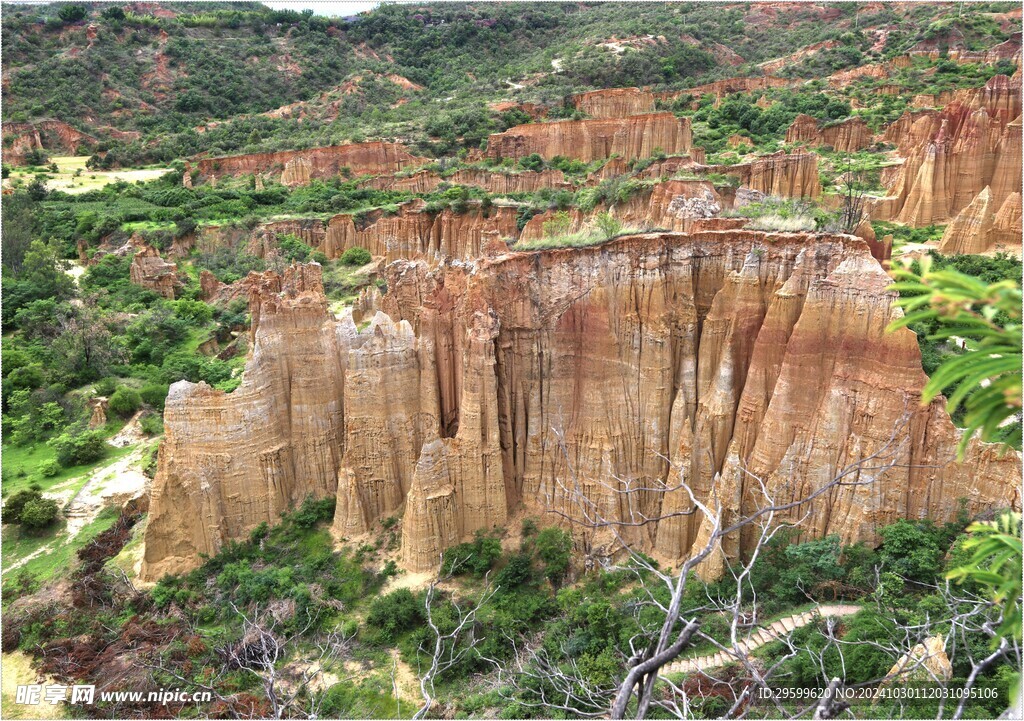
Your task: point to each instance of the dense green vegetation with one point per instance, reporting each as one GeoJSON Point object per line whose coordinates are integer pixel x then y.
{"type": "Point", "coordinates": [163, 76]}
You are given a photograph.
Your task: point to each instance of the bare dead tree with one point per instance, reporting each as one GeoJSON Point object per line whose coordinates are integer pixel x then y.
{"type": "Point", "coordinates": [287, 662]}
{"type": "Point", "coordinates": [448, 648]}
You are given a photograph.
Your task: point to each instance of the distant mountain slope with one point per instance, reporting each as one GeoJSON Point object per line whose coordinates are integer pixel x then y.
{"type": "Point", "coordinates": [155, 82]}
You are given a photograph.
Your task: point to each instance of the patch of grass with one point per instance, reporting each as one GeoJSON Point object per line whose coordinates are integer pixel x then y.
{"type": "Point", "coordinates": [62, 554]}
{"type": "Point", "coordinates": [20, 463]}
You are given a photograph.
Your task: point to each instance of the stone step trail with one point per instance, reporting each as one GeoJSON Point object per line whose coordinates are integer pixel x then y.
{"type": "Point", "coordinates": [759, 637]}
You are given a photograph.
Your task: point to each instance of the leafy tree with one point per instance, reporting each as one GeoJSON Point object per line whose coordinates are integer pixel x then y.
{"type": "Point", "coordinates": [608, 225]}
{"type": "Point", "coordinates": [996, 565]}
{"type": "Point", "coordinates": [912, 550]}
{"type": "Point", "coordinates": [16, 504]}
{"type": "Point", "coordinates": [554, 547]}
{"type": "Point", "coordinates": [988, 377]}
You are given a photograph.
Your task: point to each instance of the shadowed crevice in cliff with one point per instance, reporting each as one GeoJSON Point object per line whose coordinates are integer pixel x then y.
{"type": "Point", "coordinates": [612, 372]}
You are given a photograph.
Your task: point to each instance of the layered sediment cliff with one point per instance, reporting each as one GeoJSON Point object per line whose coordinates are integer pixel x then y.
{"type": "Point", "coordinates": [20, 139]}
{"type": "Point", "coordinates": [845, 137]}
{"type": "Point", "coordinates": [952, 155]}
{"type": "Point", "coordinates": [299, 166]}
{"type": "Point", "coordinates": [599, 375]}
{"type": "Point", "coordinates": [637, 136]}
{"type": "Point", "coordinates": [614, 102]}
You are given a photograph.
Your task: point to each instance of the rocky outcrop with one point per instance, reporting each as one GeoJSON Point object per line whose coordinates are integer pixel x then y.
{"type": "Point", "coordinates": [264, 239]}
{"type": "Point", "coordinates": [780, 174]}
{"type": "Point", "coordinates": [373, 158]}
{"type": "Point", "coordinates": [297, 171]}
{"type": "Point", "coordinates": [230, 461]}
{"type": "Point", "coordinates": [493, 181]}
{"type": "Point", "coordinates": [847, 136]}
{"type": "Point", "coordinates": [638, 136]}
{"type": "Point", "coordinates": [721, 88]}
{"type": "Point", "coordinates": [415, 232]}
{"type": "Point", "coordinates": [20, 139]}
{"type": "Point", "coordinates": [667, 205]}
{"type": "Point", "coordinates": [606, 373]}
{"type": "Point", "coordinates": [151, 271]}
{"type": "Point", "coordinates": [614, 102]}
{"type": "Point", "coordinates": [981, 227]}
{"type": "Point", "coordinates": [950, 156]}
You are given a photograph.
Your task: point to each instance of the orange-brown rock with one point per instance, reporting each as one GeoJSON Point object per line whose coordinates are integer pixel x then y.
{"type": "Point", "coordinates": [638, 136]}
{"type": "Point", "coordinates": [99, 405]}
{"type": "Point", "coordinates": [950, 156]}
{"type": "Point", "coordinates": [847, 136]}
{"type": "Point", "coordinates": [667, 205]}
{"type": "Point", "coordinates": [297, 171]}
{"type": "Point", "coordinates": [981, 226]}
{"type": "Point", "coordinates": [729, 86]}
{"type": "Point", "coordinates": [614, 102]}
{"type": "Point", "coordinates": [780, 174]}
{"type": "Point", "coordinates": [265, 238]}
{"type": "Point", "coordinates": [373, 158]}
{"type": "Point", "coordinates": [519, 382]}
{"type": "Point", "coordinates": [414, 232]}
{"type": "Point", "coordinates": [151, 271]}
{"type": "Point", "coordinates": [493, 181]}
{"type": "Point", "coordinates": [20, 139]}
{"type": "Point", "coordinates": [229, 461]}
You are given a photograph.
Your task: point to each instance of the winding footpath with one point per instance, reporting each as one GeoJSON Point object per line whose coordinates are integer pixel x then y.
{"type": "Point", "coordinates": [757, 639]}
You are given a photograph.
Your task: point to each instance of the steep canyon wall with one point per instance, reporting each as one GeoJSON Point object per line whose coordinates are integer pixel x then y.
{"type": "Point", "coordinates": [607, 373]}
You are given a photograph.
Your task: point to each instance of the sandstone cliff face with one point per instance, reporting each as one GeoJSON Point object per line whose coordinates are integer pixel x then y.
{"type": "Point", "coordinates": [981, 226]}
{"type": "Point", "coordinates": [231, 461]}
{"type": "Point", "coordinates": [729, 86]}
{"type": "Point", "coordinates": [846, 137]}
{"type": "Point", "coordinates": [633, 137]}
{"type": "Point", "coordinates": [952, 155]}
{"type": "Point", "coordinates": [668, 205]}
{"type": "Point", "coordinates": [610, 371]}
{"type": "Point", "coordinates": [415, 233]}
{"type": "Point", "coordinates": [614, 102]}
{"type": "Point", "coordinates": [151, 271]}
{"type": "Point", "coordinates": [360, 158]}
{"type": "Point", "coordinates": [787, 176]}
{"type": "Point", "coordinates": [496, 182]}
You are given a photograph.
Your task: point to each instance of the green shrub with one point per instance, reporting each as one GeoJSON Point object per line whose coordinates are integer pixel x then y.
{"type": "Point", "coordinates": [356, 256]}
{"type": "Point", "coordinates": [154, 394]}
{"type": "Point", "coordinates": [476, 557]}
{"type": "Point", "coordinates": [152, 424]}
{"type": "Point", "coordinates": [49, 469]}
{"type": "Point", "coordinates": [105, 386]}
{"type": "Point", "coordinates": [39, 513]}
{"type": "Point", "coordinates": [554, 547]}
{"type": "Point", "coordinates": [125, 401]}
{"type": "Point", "coordinates": [78, 448]}
{"type": "Point", "coordinates": [394, 613]}
{"type": "Point", "coordinates": [16, 504]}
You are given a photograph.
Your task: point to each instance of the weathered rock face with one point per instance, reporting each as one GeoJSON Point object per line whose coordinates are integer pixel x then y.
{"type": "Point", "coordinates": [786, 176]}
{"type": "Point", "coordinates": [980, 227]}
{"type": "Point", "coordinates": [633, 137]}
{"type": "Point", "coordinates": [846, 137]}
{"type": "Point", "coordinates": [668, 205]}
{"type": "Point", "coordinates": [952, 155]}
{"type": "Point", "coordinates": [360, 158]}
{"type": "Point", "coordinates": [231, 461]}
{"type": "Point", "coordinates": [496, 182]}
{"type": "Point", "coordinates": [729, 86]}
{"type": "Point", "coordinates": [51, 135]}
{"type": "Point", "coordinates": [415, 233]}
{"type": "Point", "coordinates": [151, 271]}
{"type": "Point", "coordinates": [614, 102]}
{"type": "Point", "coordinates": [264, 239]}
{"type": "Point", "coordinates": [297, 171]}
{"type": "Point", "coordinates": [611, 371]}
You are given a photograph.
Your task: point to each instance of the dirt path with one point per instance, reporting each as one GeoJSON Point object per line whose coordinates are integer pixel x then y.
{"type": "Point", "coordinates": [112, 484]}
{"type": "Point", "coordinates": [778, 629]}
{"type": "Point", "coordinates": [115, 483]}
